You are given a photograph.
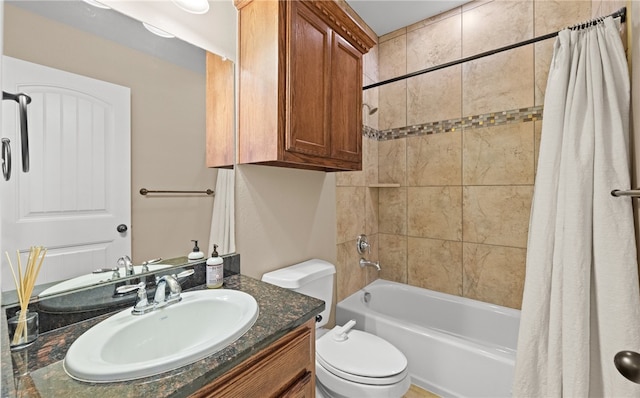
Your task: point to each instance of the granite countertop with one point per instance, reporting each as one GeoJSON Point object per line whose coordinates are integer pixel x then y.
{"type": "Point", "coordinates": [38, 372]}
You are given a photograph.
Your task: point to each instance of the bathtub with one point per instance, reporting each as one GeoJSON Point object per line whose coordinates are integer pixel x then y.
{"type": "Point", "coordinates": [455, 346]}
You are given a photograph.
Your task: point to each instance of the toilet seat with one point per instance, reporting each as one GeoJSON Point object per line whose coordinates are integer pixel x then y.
{"type": "Point", "coordinates": [362, 358]}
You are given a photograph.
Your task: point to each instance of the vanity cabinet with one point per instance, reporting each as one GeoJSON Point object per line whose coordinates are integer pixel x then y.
{"type": "Point", "coordinates": [286, 368]}
{"type": "Point", "coordinates": [300, 84]}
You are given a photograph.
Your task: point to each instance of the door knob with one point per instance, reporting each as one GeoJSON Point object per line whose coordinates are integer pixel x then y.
{"type": "Point", "coordinates": [121, 228]}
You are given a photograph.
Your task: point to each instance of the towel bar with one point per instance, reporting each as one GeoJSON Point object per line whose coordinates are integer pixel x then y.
{"type": "Point", "coordinates": [144, 191]}
{"type": "Point", "coordinates": [631, 192]}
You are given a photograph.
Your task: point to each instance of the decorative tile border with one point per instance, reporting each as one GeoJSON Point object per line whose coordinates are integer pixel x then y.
{"type": "Point", "coordinates": [446, 126]}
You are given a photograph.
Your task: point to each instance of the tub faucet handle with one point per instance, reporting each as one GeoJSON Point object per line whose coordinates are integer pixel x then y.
{"type": "Point", "coordinates": [362, 244]}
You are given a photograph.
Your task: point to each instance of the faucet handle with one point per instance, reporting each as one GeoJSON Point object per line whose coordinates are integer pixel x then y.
{"type": "Point", "coordinates": [142, 305]}
{"type": "Point", "coordinates": [183, 274]}
{"type": "Point", "coordinates": [145, 264]}
{"type": "Point", "coordinates": [129, 288]}
{"type": "Point", "coordinates": [362, 244]}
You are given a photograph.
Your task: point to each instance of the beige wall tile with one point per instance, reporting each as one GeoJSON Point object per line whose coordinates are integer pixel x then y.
{"type": "Point", "coordinates": [474, 4]}
{"type": "Point", "coordinates": [435, 212]}
{"type": "Point", "coordinates": [435, 96]}
{"type": "Point", "coordinates": [350, 213]}
{"type": "Point", "coordinates": [543, 54]}
{"type": "Point", "coordinates": [606, 7]}
{"type": "Point", "coordinates": [497, 83]}
{"type": "Point", "coordinates": [392, 35]}
{"type": "Point", "coordinates": [392, 211]}
{"type": "Point", "coordinates": [537, 135]}
{"type": "Point", "coordinates": [371, 274]}
{"type": "Point", "coordinates": [392, 100]}
{"type": "Point", "coordinates": [392, 57]}
{"type": "Point", "coordinates": [393, 257]}
{"type": "Point", "coordinates": [435, 159]}
{"type": "Point", "coordinates": [494, 274]}
{"type": "Point", "coordinates": [497, 215]}
{"type": "Point", "coordinates": [370, 160]}
{"type": "Point", "coordinates": [371, 98]}
{"type": "Point", "coordinates": [435, 264]}
{"type": "Point", "coordinates": [496, 24]}
{"type": "Point", "coordinates": [498, 155]}
{"type": "Point", "coordinates": [392, 161]}
{"type": "Point", "coordinates": [370, 64]}
{"type": "Point", "coordinates": [371, 211]}
{"type": "Point", "coordinates": [553, 15]}
{"type": "Point", "coordinates": [350, 178]}
{"type": "Point", "coordinates": [434, 44]}
{"type": "Point", "coordinates": [349, 276]}
{"type": "Point", "coordinates": [455, 12]}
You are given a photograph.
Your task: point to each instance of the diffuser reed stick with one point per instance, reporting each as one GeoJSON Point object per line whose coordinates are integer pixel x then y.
{"type": "Point", "coordinates": [25, 282]}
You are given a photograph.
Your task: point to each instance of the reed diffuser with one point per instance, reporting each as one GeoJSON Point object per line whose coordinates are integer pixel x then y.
{"type": "Point", "coordinates": [25, 281]}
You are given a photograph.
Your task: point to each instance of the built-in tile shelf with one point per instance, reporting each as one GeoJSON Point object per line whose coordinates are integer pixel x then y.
{"type": "Point", "coordinates": [389, 185]}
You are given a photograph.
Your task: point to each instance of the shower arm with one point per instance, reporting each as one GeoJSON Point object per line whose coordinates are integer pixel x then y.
{"type": "Point", "coordinates": [23, 100]}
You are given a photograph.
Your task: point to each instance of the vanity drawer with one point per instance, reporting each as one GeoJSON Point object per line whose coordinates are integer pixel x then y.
{"type": "Point", "coordinates": [284, 369]}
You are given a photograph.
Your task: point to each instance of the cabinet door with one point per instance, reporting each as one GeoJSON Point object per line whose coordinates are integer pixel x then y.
{"type": "Point", "coordinates": [302, 388]}
{"type": "Point", "coordinates": [346, 101]}
{"type": "Point", "coordinates": [308, 78]}
{"type": "Point", "coordinates": [284, 369]}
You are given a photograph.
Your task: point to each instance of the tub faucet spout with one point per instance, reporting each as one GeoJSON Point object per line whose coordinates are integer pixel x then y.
{"type": "Point", "coordinates": [364, 263]}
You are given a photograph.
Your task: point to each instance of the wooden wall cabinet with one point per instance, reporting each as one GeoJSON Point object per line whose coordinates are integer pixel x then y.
{"type": "Point", "coordinates": [284, 369]}
{"type": "Point", "coordinates": [300, 94]}
{"type": "Point", "coordinates": [219, 112]}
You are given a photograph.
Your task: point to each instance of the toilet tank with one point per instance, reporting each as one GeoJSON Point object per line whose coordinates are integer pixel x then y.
{"type": "Point", "coordinates": [313, 277]}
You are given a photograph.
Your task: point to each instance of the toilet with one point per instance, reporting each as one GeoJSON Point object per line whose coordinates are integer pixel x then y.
{"type": "Point", "coordinates": [349, 363]}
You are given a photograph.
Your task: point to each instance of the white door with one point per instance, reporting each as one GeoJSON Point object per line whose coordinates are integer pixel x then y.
{"type": "Point", "coordinates": [77, 191]}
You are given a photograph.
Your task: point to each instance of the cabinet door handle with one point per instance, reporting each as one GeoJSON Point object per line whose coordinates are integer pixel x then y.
{"type": "Point", "coordinates": [6, 159]}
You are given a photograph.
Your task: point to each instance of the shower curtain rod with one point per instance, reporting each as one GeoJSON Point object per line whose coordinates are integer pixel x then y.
{"type": "Point", "coordinates": [621, 13]}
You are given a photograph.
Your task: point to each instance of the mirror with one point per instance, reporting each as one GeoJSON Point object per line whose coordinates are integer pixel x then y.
{"type": "Point", "coordinates": [167, 82]}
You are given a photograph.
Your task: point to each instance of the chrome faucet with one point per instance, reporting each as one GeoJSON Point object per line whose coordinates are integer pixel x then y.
{"type": "Point", "coordinates": [364, 263]}
{"type": "Point", "coordinates": [160, 300]}
{"type": "Point", "coordinates": [125, 261]}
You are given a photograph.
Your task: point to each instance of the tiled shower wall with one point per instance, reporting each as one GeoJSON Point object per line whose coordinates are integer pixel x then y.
{"type": "Point", "coordinates": [458, 220]}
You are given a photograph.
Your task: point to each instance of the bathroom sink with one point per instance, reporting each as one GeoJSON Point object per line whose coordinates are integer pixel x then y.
{"type": "Point", "coordinates": [92, 279]}
{"type": "Point", "coordinates": [126, 347]}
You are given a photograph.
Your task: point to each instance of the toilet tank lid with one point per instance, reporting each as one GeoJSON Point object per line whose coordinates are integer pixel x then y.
{"type": "Point", "coordinates": [298, 275]}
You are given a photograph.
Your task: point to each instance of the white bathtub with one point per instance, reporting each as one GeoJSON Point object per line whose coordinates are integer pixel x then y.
{"type": "Point", "coordinates": [456, 347]}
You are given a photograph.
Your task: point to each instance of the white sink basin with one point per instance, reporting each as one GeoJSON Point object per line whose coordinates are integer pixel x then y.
{"type": "Point", "coordinates": [125, 346]}
{"type": "Point", "coordinates": [92, 279]}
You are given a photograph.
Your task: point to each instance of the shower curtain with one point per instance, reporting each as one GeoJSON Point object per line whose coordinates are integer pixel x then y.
{"type": "Point", "coordinates": [581, 303]}
{"type": "Point", "coordinates": [222, 220]}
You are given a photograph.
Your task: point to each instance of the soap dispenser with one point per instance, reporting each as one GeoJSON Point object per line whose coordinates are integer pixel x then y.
{"type": "Point", "coordinates": [215, 270]}
{"type": "Point", "coordinates": [196, 254]}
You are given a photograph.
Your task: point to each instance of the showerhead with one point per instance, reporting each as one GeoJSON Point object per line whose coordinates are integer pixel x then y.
{"type": "Point", "coordinates": [371, 110]}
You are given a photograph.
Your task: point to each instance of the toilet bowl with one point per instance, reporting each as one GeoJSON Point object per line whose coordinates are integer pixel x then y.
{"type": "Point", "coordinates": [349, 363]}
{"type": "Point", "coordinates": [363, 365]}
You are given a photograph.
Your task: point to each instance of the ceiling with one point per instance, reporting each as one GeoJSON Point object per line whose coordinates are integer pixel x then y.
{"type": "Point", "coordinates": [385, 16]}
